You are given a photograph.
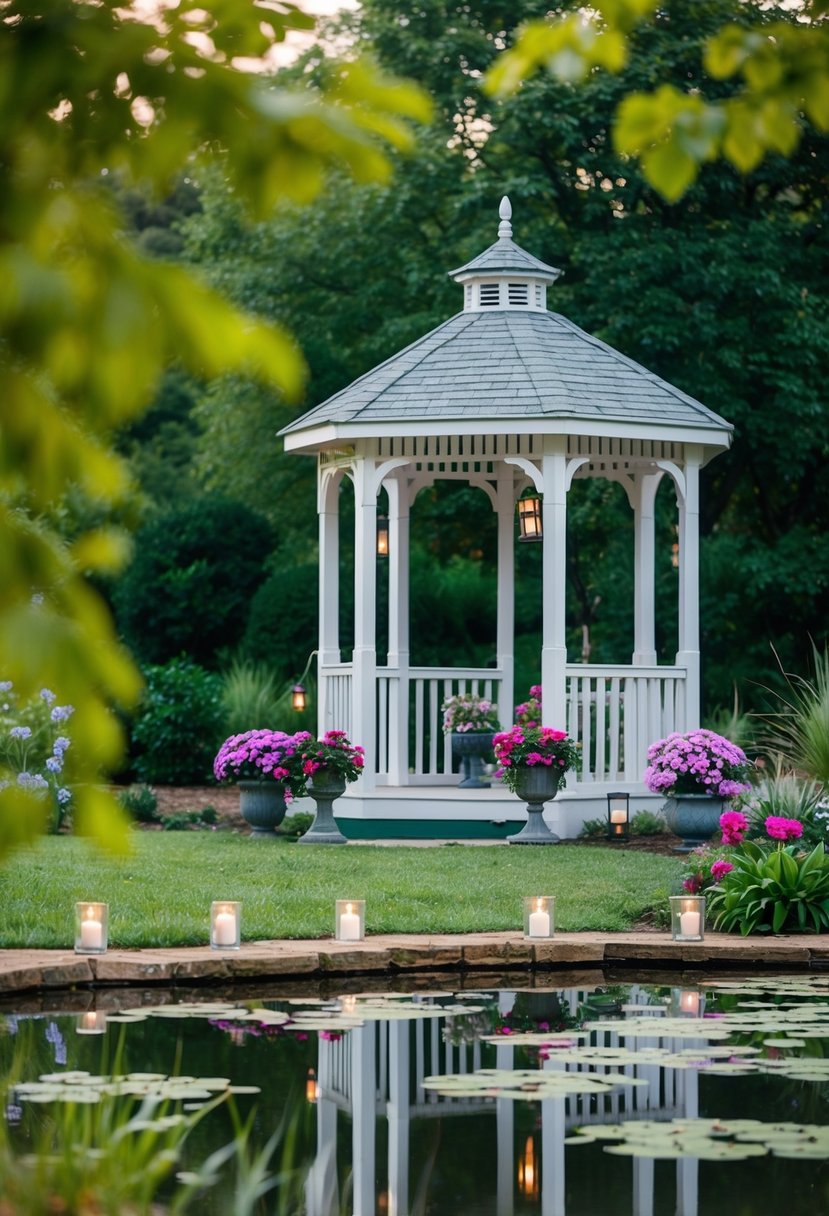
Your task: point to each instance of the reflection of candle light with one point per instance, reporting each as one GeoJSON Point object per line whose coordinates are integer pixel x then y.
{"type": "Point", "coordinates": [92, 1022]}
{"type": "Point", "coordinates": [539, 922]}
{"type": "Point", "coordinates": [527, 1172]}
{"type": "Point", "coordinates": [689, 1001]}
{"type": "Point", "coordinates": [348, 1004]}
{"type": "Point", "coordinates": [349, 925]}
{"type": "Point", "coordinates": [312, 1089]}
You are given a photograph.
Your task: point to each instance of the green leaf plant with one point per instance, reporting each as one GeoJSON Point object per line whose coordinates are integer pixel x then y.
{"type": "Point", "coordinates": [782, 890]}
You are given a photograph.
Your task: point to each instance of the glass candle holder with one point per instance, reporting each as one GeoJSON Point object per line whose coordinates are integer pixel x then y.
{"type": "Point", "coordinates": [539, 916]}
{"type": "Point", "coordinates": [225, 925]}
{"type": "Point", "coordinates": [94, 1021]}
{"type": "Point", "coordinates": [91, 927]}
{"type": "Point", "coordinates": [687, 918]}
{"type": "Point", "coordinates": [350, 920]}
{"type": "Point", "coordinates": [688, 1002]}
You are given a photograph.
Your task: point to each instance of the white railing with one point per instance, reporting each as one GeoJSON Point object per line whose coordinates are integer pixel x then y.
{"type": "Point", "coordinates": [615, 712]}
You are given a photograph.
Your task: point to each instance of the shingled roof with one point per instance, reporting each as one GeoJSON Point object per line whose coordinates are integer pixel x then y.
{"type": "Point", "coordinates": [508, 363]}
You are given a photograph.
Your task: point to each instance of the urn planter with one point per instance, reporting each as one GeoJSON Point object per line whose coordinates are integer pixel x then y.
{"type": "Point", "coordinates": [694, 817]}
{"type": "Point", "coordinates": [472, 747]}
{"type": "Point", "coordinates": [536, 785]}
{"type": "Point", "coordinates": [263, 806]}
{"type": "Point", "coordinates": [324, 787]}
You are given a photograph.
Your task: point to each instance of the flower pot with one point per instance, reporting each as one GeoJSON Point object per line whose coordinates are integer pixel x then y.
{"type": "Point", "coordinates": [324, 787]}
{"type": "Point", "coordinates": [263, 806]}
{"type": "Point", "coordinates": [536, 785]}
{"type": "Point", "coordinates": [472, 746]}
{"type": "Point", "coordinates": [694, 817]}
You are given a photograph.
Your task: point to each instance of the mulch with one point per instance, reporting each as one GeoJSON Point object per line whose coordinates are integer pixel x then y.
{"type": "Point", "coordinates": [177, 800]}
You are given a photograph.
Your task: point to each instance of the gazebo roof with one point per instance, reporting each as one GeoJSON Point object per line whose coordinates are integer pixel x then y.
{"type": "Point", "coordinates": [508, 367]}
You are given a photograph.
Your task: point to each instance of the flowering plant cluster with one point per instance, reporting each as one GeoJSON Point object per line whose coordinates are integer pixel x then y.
{"type": "Point", "coordinates": [525, 747]}
{"type": "Point", "coordinates": [528, 713]}
{"type": "Point", "coordinates": [334, 753]}
{"type": "Point", "coordinates": [466, 711]}
{"type": "Point", "coordinates": [258, 755]}
{"type": "Point", "coordinates": [699, 762]}
{"type": "Point", "coordinates": [33, 746]}
{"type": "Point", "coordinates": [704, 867]}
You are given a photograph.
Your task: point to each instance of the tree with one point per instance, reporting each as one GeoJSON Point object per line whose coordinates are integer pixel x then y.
{"type": "Point", "coordinates": [88, 325]}
{"type": "Point", "coordinates": [781, 61]}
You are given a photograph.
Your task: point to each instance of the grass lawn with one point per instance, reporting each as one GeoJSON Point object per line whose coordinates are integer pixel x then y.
{"type": "Point", "coordinates": [160, 896]}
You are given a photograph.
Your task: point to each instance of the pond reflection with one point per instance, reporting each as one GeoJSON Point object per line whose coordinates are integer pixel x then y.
{"type": "Point", "coordinates": [604, 1100]}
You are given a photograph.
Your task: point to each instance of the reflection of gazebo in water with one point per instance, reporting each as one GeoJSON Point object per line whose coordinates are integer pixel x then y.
{"type": "Point", "coordinates": [504, 396]}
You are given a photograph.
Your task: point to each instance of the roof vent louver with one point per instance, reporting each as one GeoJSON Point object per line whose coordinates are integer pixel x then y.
{"type": "Point", "coordinates": [490, 295]}
{"type": "Point", "coordinates": [518, 294]}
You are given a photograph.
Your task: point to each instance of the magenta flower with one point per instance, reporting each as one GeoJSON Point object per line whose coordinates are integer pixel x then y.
{"type": "Point", "coordinates": [719, 869]}
{"type": "Point", "coordinates": [783, 829]}
{"type": "Point", "coordinates": [692, 883]}
{"type": "Point", "coordinates": [734, 826]}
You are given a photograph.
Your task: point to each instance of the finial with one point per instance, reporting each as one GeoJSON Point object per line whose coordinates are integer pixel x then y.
{"type": "Point", "coordinates": [505, 212]}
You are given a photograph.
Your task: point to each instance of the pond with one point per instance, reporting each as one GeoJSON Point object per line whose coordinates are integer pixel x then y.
{"type": "Point", "coordinates": [609, 1099]}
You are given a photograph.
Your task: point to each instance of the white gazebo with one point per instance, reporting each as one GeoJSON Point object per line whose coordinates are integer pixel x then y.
{"type": "Point", "coordinates": [505, 396]}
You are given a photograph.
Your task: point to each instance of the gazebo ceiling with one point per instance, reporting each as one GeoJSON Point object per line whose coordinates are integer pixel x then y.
{"type": "Point", "coordinates": [506, 365]}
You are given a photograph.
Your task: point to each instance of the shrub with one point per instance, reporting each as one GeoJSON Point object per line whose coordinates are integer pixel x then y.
{"type": "Point", "coordinates": [189, 587]}
{"type": "Point", "coordinates": [140, 802]}
{"type": "Point", "coordinates": [646, 823]}
{"type": "Point", "coordinates": [772, 891]}
{"type": "Point", "coordinates": [789, 796]}
{"type": "Point", "coordinates": [178, 727]}
{"type": "Point", "coordinates": [282, 622]}
{"type": "Point", "coordinates": [799, 730]}
{"type": "Point", "coordinates": [594, 827]}
{"type": "Point", "coordinates": [251, 698]}
{"type": "Point", "coordinates": [296, 824]}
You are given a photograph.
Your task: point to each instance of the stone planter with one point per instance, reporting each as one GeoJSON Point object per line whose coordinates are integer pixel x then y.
{"type": "Point", "coordinates": [472, 746]}
{"type": "Point", "coordinates": [263, 806]}
{"type": "Point", "coordinates": [535, 786]}
{"type": "Point", "coordinates": [694, 817]}
{"type": "Point", "coordinates": [324, 787]}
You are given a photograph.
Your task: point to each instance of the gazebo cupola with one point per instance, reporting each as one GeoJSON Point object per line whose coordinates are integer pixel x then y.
{"type": "Point", "coordinates": [505, 275]}
{"type": "Point", "coordinates": [503, 396]}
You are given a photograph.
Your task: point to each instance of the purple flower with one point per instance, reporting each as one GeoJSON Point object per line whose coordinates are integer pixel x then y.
{"type": "Point", "coordinates": [48, 696]}
{"type": "Point", "coordinates": [62, 712]}
{"type": "Point", "coordinates": [21, 732]}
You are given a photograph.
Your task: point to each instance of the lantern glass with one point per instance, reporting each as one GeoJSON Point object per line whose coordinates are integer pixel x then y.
{"type": "Point", "coordinates": [688, 1002]}
{"type": "Point", "coordinates": [298, 697]}
{"type": "Point", "coordinates": [91, 927]}
{"type": "Point", "coordinates": [539, 916]}
{"type": "Point", "coordinates": [382, 536]}
{"type": "Point", "coordinates": [225, 924]}
{"type": "Point", "coordinates": [529, 518]}
{"type": "Point", "coordinates": [687, 918]}
{"type": "Point", "coordinates": [618, 816]}
{"type": "Point", "coordinates": [350, 920]}
{"type": "Point", "coordinates": [94, 1021]}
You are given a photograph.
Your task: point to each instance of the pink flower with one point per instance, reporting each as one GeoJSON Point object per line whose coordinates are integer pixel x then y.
{"type": "Point", "coordinates": [692, 884]}
{"type": "Point", "coordinates": [734, 826]}
{"type": "Point", "coordinates": [783, 829]}
{"type": "Point", "coordinates": [719, 869]}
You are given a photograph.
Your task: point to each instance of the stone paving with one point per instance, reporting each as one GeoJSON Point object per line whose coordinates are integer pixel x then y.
{"type": "Point", "coordinates": [23, 971]}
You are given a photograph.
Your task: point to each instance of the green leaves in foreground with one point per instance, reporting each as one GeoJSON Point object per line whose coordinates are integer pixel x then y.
{"type": "Point", "coordinates": [780, 891]}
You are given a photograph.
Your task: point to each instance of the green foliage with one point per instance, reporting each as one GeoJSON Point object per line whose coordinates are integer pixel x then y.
{"type": "Point", "coordinates": [187, 820]}
{"type": "Point", "coordinates": [799, 728]}
{"type": "Point", "coordinates": [788, 796]}
{"type": "Point", "coordinates": [88, 324]}
{"type": "Point", "coordinates": [189, 585]}
{"type": "Point", "coordinates": [178, 726]}
{"type": "Point", "coordinates": [251, 698]}
{"type": "Point", "coordinates": [140, 802]}
{"type": "Point", "coordinates": [646, 823]}
{"type": "Point", "coordinates": [295, 825]}
{"type": "Point", "coordinates": [773, 891]}
{"type": "Point", "coordinates": [594, 828]}
{"type": "Point", "coordinates": [282, 623]}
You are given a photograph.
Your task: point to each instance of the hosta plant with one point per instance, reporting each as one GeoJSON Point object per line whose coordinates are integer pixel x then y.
{"type": "Point", "coordinates": [781, 890]}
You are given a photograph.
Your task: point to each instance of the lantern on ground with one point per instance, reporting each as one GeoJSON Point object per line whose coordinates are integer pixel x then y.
{"type": "Point", "coordinates": [618, 816]}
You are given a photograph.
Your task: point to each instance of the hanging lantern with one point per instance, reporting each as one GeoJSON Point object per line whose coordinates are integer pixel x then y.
{"type": "Point", "coordinates": [298, 701]}
{"type": "Point", "coordinates": [382, 535]}
{"type": "Point", "coordinates": [529, 518]}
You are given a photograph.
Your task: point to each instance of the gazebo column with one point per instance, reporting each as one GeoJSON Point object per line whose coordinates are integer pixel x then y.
{"type": "Point", "coordinates": [554, 581]}
{"type": "Point", "coordinates": [398, 657]}
{"type": "Point", "coordinates": [364, 662]}
{"type": "Point", "coordinates": [505, 640]}
{"type": "Point", "coordinates": [643, 496]}
{"type": "Point", "coordinates": [328, 511]}
{"type": "Point", "coordinates": [688, 653]}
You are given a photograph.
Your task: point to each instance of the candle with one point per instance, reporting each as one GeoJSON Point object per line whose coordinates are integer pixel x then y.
{"type": "Point", "coordinates": [539, 922]}
{"type": "Point", "coordinates": [224, 929]}
{"type": "Point", "coordinates": [689, 1001]}
{"type": "Point", "coordinates": [92, 931]}
{"type": "Point", "coordinates": [349, 925]}
{"type": "Point", "coordinates": [617, 816]}
{"type": "Point", "coordinates": [689, 924]}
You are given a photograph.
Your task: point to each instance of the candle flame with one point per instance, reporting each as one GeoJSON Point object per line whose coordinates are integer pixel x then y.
{"type": "Point", "coordinates": [538, 905]}
{"type": "Point", "coordinates": [90, 913]}
{"type": "Point", "coordinates": [349, 908]}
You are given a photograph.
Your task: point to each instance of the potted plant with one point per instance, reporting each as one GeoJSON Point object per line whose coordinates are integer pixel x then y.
{"type": "Point", "coordinates": [696, 771]}
{"type": "Point", "coordinates": [328, 764]}
{"type": "Point", "coordinates": [472, 721]}
{"type": "Point", "coordinates": [533, 761]}
{"type": "Point", "coordinates": [267, 767]}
